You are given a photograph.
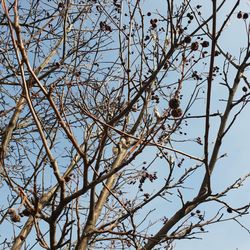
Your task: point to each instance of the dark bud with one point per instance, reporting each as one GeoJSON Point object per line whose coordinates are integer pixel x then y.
{"type": "Point", "coordinates": [102, 25]}
{"type": "Point", "coordinates": [239, 15]}
{"type": "Point", "coordinates": [245, 15]}
{"type": "Point", "coordinates": [205, 44]}
{"type": "Point", "coordinates": [67, 178]}
{"type": "Point", "coordinates": [166, 65]}
{"type": "Point", "coordinates": [216, 53]}
{"type": "Point", "coordinates": [244, 89]}
{"type": "Point", "coordinates": [25, 212]}
{"type": "Point", "coordinates": [187, 39]}
{"type": "Point", "coordinates": [229, 210]}
{"type": "Point", "coordinates": [200, 217]}
{"type": "Point", "coordinates": [60, 5]}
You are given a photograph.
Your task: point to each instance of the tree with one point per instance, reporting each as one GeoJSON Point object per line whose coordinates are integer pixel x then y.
{"type": "Point", "coordinates": [109, 111]}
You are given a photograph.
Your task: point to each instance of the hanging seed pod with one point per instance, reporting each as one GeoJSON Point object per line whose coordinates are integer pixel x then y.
{"type": "Point", "coordinates": [174, 103]}
{"type": "Point", "coordinates": [194, 46]}
{"type": "Point", "coordinates": [176, 113]}
{"type": "Point", "coordinates": [15, 217]}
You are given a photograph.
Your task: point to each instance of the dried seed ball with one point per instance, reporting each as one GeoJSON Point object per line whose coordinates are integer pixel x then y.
{"type": "Point", "coordinates": [195, 46]}
{"type": "Point", "coordinates": [187, 39]}
{"type": "Point", "coordinates": [149, 14]}
{"type": "Point", "coordinates": [174, 103]}
{"type": "Point", "coordinates": [229, 210]}
{"type": "Point", "coordinates": [245, 15]}
{"type": "Point", "coordinates": [15, 218]}
{"type": "Point", "coordinates": [205, 44]}
{"type": "Point", "coordinates": [176, 113]}
{"type": "Point", "coordinates": [239, 15]}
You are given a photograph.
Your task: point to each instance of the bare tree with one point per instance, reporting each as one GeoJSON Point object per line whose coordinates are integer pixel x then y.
{"type": "Point", "coordinates": [107, 119]}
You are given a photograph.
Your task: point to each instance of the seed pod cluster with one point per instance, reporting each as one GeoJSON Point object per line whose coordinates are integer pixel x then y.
{"type": "Point", "coordinates": [174, 104]}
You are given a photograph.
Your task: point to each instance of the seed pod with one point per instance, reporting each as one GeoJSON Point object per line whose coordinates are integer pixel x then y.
{"type": "Point", "coordinates": [205, 44]}
{"type": "Point", "coordinates": [176, 113]}
{"type": "Point", "coordinates": [174, 103]}
{"type": "Point", "coordinates": [195, 46]}
{"type": "Point", "coordinates": [15, 217]}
